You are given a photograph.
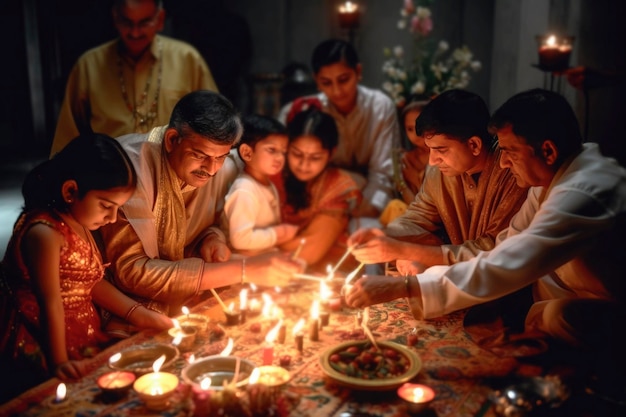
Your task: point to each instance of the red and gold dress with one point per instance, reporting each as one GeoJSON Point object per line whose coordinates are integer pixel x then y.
{"type": "Point", "coordinates": [79, 270]}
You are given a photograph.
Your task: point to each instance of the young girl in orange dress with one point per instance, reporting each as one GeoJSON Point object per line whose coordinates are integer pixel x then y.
{"type": "Point", "coordinates": [316, 196]}
{"type": "Point", "coordinates": [52, 270]}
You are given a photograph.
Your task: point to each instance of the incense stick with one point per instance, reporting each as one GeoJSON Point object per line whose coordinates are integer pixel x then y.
{"type": "Point", "coordinates": [299, 248]}
{"type": "Point", "coordinates": [219, 300]}
{"type": "Point", "coordinates": [343, 258]}
{"type": "Point", "coordinates": [352, 274]}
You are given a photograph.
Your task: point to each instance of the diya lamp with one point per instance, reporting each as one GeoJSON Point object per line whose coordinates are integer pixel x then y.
{"type": "Point", "coordinates": [115, 384]}
{"type": "Point", "coordinates": [416, 397]}
{"type": "Point", "coordinates": [197, 321]}
{"type": "Point", "coordinates": [183, 336]}
{"type": "Point", "coordinates": [268, 348]}
{"type": "Point", "coordinates": [314, 326]}
{"type": "Point", "coordinates": [298, 334]}
{"type": "Point", "coordinates": [156, 388]}
{"type": "Point", "coordinates": [554, 52]}
{"type": "Point", "coordinates": [264, 386]}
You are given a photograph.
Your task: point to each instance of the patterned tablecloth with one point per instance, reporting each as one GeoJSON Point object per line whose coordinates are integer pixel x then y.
{"type": "Point", "coordinates": [452, 364]}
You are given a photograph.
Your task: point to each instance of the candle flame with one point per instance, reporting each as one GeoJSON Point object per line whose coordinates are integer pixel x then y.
{"type": "Point", "coordinates": [272, 334]}
{"type": "Point", "coordinates": [61, 392]}
{"type": "Point", "coordinates": [176, 324]}
{"type": "Point", "coordinates": [185, 310]}
{"type": "Point", "coordinates": [417, 395]}
{"type": "Point", "coordinates": [253, 287]}
{"type": "Point", "coordinates": [315, 310]}
{"type": "Point", "coordinates": [231, 307]}
{"type": "Point", "coordinates": [299, 326]}
{"type": "Point", "coordinates": [243, 299]}
{"type": "Point", "coordinates": [114, 358]}
{"type": "Point", "coordinates": [228, 348]}
{"type": "Point", "coordinates": [551, 41]}
{"type": "Point", "coordinates": [205, 384]}
{"type": "Point", "coordinates": [267, 304]}
{"type": "Point", "coordinates": [325, 291]}
{"type": "Point", "coordinates": [348, 7]}
{"type": "Point", "coordinates": [177, 339]}
{"type": "Point", "coordinates": [158, 363]}
{"type": "Point", "coordinates": [192, 358]}
{"type": "Point", "coordinates": [254, 376]}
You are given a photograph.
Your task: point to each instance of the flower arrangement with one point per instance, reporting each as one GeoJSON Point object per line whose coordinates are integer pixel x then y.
{"type": "Point", "coordinates": [431, 69]}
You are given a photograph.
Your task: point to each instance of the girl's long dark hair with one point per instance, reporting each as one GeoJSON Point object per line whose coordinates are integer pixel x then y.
{"type": "Point", "coordinates": [311, 122]}
{"type": "Point", "coordinates": [95, 161]}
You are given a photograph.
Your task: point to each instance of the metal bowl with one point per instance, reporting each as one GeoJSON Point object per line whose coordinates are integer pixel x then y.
{"type": "Point", "coordinates": [414, 365]}
{"type": "Point", "coordinates": [221, 370]}
{"type": "Point", "coordinates": [141, 359]}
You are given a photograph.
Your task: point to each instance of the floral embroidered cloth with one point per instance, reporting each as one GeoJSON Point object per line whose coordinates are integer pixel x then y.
{"type": "Point", "coordinates": [452, 364]}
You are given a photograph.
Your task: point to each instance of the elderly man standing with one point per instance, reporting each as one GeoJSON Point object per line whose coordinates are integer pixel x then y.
{"type": "Point", "coordinates": [165, 248]}
{"type": "Point", "coordinates": [465, 200]}
{"type": "Point", "coordinates": [130, 84]}
{"type": "Point", "coordinates": [566, 240]}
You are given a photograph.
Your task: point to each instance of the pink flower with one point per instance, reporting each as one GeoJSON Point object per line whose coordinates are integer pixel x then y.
{"type": "Point", "coordinates": [409, 8]}
{"type": "Point", "coordinates": [421, 25]}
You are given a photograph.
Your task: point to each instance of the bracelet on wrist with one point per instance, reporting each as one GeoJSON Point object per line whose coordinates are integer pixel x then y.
{"type": "Point", "coordinates": [131, 311]}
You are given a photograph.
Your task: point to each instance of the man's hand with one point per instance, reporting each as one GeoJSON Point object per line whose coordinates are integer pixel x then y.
{"type": "Point", "coordinates": [363, 235]}
{"type": "Point", "coordinates": [379, 248]}
{"type": "Point", "coordinates": [214, 249]}
{"type": "Point", "coordinates": [371, 290]}
{"type": "Point", "coordinates": [405, 267]}
{"type": "Point", "coordinates": [273, 269]}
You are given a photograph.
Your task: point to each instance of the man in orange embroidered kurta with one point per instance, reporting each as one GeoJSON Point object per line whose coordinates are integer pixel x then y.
{"type": "Point", "coordinates": [466, 197]}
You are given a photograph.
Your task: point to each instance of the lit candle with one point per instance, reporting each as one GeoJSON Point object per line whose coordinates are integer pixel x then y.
{"type": "Point", "coordinates": [314, 334]}
{"type": "Point", "coordinates": [197, 321]}
{"type": "Point", "coordinates": [554, 53]}
{"type": "Point", "coordinates": [298, 335]}
{"type": "Point", "coordinates": [243, 305]}
{"type": "Point", "coordinates": [349, 15]}
{"type": "Point", "coordinates": [60, 393]}
{"type": "Point", "coordinates": [268, 349]}
{"type": "Point", "coordinates": [155, 388]}
{"type": "Point", "coordinates": [232, 318]}
{"type": "Point", "coordinates": [416, 396]}
{"type": "Point", "coordinates": [201, 398]}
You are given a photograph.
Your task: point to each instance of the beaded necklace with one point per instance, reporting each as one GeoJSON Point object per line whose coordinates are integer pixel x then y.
{"type": "Point", "coordinates": [143, 121]}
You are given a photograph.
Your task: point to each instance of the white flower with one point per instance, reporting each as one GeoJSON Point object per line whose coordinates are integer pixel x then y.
{"type": "Point", "coordinates": [387, 86]}
{"type": "Point", "coordinates": [402, 75]}
{"type": "Point", "coordinates": [398, 88]}
{"type": "Point", "coordinates": [463, 55]}
{"type": "Point", "coordinates": [418, 87]}
{"type": "Point", "coordinates": [398, 51]}
{"type": "Point", "coordinates": [476, 66]}
{"type": "Point", "coordinates": [403, 12]}
{"type": "Point", "coordinates": [443, 46]}
{"type": "Point", "coordinates": [402, 24]}
{"type": "Point", "coordinates": [423, 12]}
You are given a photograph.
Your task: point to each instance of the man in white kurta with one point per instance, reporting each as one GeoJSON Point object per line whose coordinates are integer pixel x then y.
{"type": "Point", "coordinates": [566, 240]}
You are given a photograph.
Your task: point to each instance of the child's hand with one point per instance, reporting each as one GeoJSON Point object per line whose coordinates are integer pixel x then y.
{"type": "Point", "coordinates": [70, 370]}
{"type": "Point", "coordinates": [285, 232]}
{"type": "Point", "coordinates": [143, 318]}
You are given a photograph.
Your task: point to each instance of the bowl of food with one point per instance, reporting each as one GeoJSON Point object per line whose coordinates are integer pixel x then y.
{"type": "Point", "coordinates": [220, 370]}
{"type": "Point", "coordinates": [140, 360]}
{"type": "Point", "coordinates": [361, 365]}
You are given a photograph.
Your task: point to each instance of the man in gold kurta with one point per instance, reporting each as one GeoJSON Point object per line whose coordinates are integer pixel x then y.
{"type": "Point", "coordinates": [130, 84]}
{"type": "Point", "coordinates": [165, 249]}
{"type": "Point", "coordinates": [466, 197]}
